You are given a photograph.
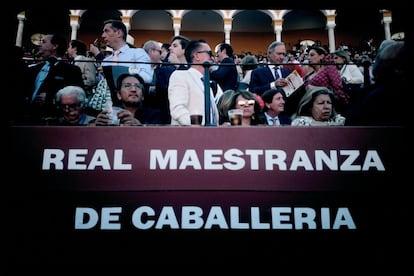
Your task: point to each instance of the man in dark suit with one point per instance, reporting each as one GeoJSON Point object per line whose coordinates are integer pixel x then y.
{"type": "Point", "coordinates": [48, 77]}
{"type": "Point", "coordinates": [273, 114]}
{"type": "Point", "coordinates": [226, 74]}
{"type": "Point", "coordinates": [273, 76]}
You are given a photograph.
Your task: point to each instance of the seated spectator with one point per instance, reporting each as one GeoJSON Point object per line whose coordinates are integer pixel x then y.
{"type": "Point", "coordinates": [129, 88]}
{"type": "Point", "coordinates": [273, 111]}
{"type": "Point", "coordinates": [316, 108]}
{"type": "Point", "coordinates": [71, 102]}
{"type": "Point", "coordinates": [243, 99]}
{"type": "Point", "coordinates": [223, 105]}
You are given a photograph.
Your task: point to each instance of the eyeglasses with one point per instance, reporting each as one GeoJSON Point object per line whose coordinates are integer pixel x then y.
{"type": "Point", "coordinates": [70, 107]}
{"type": "Point", "coordinates": [207, 52]}
{"type": "Point", "coordinates": [159, 51]}
{"type": "Point", "coordinates": [246, 103]}
{"type": "Point", "coordinates": [129, 86]}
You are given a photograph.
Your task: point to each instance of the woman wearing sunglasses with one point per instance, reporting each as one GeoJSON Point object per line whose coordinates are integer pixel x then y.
{"type": "Point", "coordinates": [243, 99]}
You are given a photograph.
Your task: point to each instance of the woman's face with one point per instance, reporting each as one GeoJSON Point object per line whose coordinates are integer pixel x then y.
{"type": "Point", "coordinates": [314, 57]}
{"type": "Point", "coordinates": [245, 104]}
{"type": "Point", "coordinates": [322, 108]}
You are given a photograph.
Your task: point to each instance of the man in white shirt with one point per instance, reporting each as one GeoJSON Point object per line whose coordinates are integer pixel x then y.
{"type": "Point", "coordinates": [115, 34]}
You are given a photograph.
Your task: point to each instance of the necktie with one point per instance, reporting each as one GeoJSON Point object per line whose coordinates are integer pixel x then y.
{"type": "Point", "coordinates": [275, 121]}
{"type": "Point", "coordinates": [277, 72]}
{"type": "Point", "coordinates": [115, 58]}
{"type": "Point", "coordinates": [41, 76]}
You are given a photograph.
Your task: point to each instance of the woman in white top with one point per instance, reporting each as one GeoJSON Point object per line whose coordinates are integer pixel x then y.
{"type": "Point", "coordinates": [352, 77]}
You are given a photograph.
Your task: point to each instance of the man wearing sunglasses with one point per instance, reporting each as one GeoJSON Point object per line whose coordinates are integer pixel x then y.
{"type": "Point", "coordinates": [186, 87]}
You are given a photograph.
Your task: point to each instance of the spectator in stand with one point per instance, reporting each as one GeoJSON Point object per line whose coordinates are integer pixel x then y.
{"type": "Point", "coordinates": [273, 75]}
{"type": "Point", "coordinates": [226, 74]}
{"type": "Point", "coordinates": [47, 77]}
{"type": "Point", "coordinates": [176, 61]}
{"type": "Point", "coordinates": [77, 51]}
{"type": "Point", "coordinates": [391, 79]}
{"type": "Point", "coordinates": [124, 54]}
{"type": "Point", "coordinates": [352, 77]}
{"type": "Point", "coordinates": [154, 51]}
{"type": "Point", "coordinates": [274, 100]}
{"type": "Point", "coordinates": [316, 108]}
{"type": "Point", "coordinates": [237, 60]}
{"type": "Point", "coordinates": [131, 101]}
{"type": "Point", "coordinates": [165, 51]}
{"type": "Point", "coordinates": [115, 35]}
{"type": "Point", "coordinates": [243, 99]}
{"type": "Point", "coordinates": [71, 102]}
{"type": "Point", "coordinates": [326, 75]}
{"type": "Point", "coordinates": [186, 92]}
{"type": "Point", "coordinates": [223, 106]}
{"type": "Point", "coordinates": [248, 64]}
{"type": "Point", "coordinates": [294, 64]}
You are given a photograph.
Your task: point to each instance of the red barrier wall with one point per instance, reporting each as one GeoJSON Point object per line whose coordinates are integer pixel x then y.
{"type": "Point", "coordinates": [262, 199]}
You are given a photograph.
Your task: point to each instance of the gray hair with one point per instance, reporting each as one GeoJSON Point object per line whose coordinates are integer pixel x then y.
{"type": "Point", "coordinates": [72, 90]}
{"type": "Point", "coordinates": [273, 45]}
{"type": "Point", "coordinates": [150, 44]}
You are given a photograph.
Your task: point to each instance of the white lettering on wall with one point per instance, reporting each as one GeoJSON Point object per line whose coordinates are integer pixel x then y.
{"type": "Point", "coordinates": [77, 159]}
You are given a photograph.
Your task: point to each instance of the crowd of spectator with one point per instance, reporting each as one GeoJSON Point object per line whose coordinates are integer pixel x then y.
{"type": "Point", "coordinates": [164, 83]}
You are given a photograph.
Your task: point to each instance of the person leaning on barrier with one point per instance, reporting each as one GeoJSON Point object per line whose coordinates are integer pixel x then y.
{"type": "Point", "coordinates": [132, 112]}
{"type": "Point", "coordinates": [317, 108]}
{"type": "Point", "coordinates": [71, 102]}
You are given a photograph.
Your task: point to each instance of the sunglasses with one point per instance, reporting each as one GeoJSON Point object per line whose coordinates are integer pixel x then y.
{"type": "Point", "coordinates": [210, 53]}
{"type": "Point", "coordinates": [246, 103]}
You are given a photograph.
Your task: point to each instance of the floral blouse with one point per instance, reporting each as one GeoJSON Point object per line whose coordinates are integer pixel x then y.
{"type": "Point", "coordinates": [338, 120]}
